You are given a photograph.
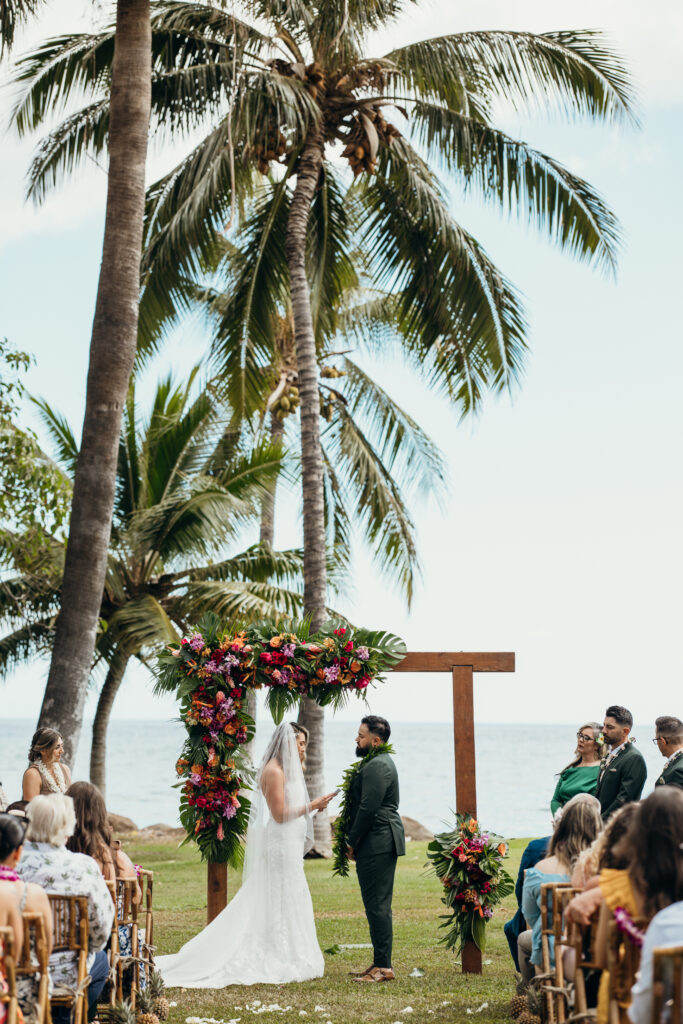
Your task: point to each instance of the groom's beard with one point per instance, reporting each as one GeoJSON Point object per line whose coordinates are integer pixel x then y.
{"type": "Point", "coordinates": [361, 751]}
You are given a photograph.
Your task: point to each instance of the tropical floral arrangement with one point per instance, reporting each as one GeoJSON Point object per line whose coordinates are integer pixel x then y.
{"type": "Point", "coordinates": [211, 671]}
{"type": "Point", "coordinates": [469, 865]}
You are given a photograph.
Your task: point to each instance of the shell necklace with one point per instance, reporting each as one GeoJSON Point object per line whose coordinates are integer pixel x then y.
{"type": "Point", "coordinates": [55, 783]}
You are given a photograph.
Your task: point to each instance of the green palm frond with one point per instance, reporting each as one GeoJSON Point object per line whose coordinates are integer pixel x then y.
{"type": "Point", "coordinates": [140, 625]}
{"type": "Point", "coordinates": [455, 308]}
{"type": "Point", "coordinates": [573, 71]}
{"type": "Point", "coordinates": [256, 290]}
{"type": "Point", "coordinates": [14, 14]}
{"type": "Point", "coordinates": [331, 270]}
{"type": "Point", "coordinates": [521, 178]}
{"type": "Point", "coordinates": [239, 599]}
{"type": "Point", "coordinates": [25, 643]}
{"type": "Point", "coordinates": [62, 150]}
{"type": "Point", "coordinates": [371, 491]}
{"type": "Point", "coordinates": [60, 433]}
{"type": "Point", "coordinates": [408, 453]}
{"type": "Point", "coordinates": [259, 563]}
{"type": "Point", "coordinates": [57, 70]}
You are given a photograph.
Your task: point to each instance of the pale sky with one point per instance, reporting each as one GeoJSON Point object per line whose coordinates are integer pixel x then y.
{"type": "Point", "coordinates": [561, 535]}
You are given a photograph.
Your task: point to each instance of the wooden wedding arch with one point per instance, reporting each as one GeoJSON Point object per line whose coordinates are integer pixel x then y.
{"type": "Point", "coordinates": [462, 665]}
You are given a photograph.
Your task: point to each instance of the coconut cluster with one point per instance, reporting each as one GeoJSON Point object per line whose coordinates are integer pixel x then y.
{"type": "Point", "coordinates": [287, 403]}
{"type": "Point", "coordinates": [369, 130]}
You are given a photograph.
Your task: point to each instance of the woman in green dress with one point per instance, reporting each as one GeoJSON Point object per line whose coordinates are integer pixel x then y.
{"type": "Point", "coordinates": [581, 774]}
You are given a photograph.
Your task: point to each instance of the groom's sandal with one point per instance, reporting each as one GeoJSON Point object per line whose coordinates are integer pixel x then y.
{"type": "Point", "coordinates": [377, 974]}
{"type": "Point", "coordinates": [361, 974]}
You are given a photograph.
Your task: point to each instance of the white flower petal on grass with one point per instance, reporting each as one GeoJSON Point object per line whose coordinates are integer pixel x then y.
{"type": "Point", "coordinates": [172, 1005]}
{"type": "Point", "coordinates": [407, 1009]}
{"type": "Point", "coordinates": [302, 1013]}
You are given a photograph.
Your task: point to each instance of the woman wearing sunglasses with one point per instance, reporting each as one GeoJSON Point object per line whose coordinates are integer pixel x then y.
{"type": "Point", "coordinates": [581, 774]}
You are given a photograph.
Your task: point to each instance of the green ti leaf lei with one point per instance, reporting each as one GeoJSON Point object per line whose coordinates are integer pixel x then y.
{"type": "Point", "coordinates": [342, 825]}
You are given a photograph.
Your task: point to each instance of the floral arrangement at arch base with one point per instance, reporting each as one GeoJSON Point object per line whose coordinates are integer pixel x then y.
{"type": "Point", "coordinates": [211, 672]}
{"type": "Point", "coordinates": [469, 865]}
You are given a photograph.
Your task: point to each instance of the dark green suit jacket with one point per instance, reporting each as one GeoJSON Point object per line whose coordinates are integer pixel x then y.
{"type": "Point", "coordinates": [622, 781]}
{"type": "Point", "coordinates": [376, 825]}
{"type": "Point", "coordinates": [673, 775]}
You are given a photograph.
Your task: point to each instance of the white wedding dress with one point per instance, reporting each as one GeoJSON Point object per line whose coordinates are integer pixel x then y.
{"type": "Point", "coordinates": [266, 934]}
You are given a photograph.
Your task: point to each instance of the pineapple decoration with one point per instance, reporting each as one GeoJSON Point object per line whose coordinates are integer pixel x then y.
{"type": "Point", "coordinates": [157, 990]}
{"type": "Point", "coordinates": [122, 1013]}
{"type": "Point", "coordinates": [519, 1002]}
{"type": "Point", "coordinates": [532, 1013]}
{"type": "Point", "coordinates": [144, 1007]}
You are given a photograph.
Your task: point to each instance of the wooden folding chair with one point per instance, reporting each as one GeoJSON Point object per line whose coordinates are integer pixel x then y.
{"type": "Point", "coordinates": [623, 961]}
{"type": "Point", "coordinates": [8, 961]}
{"type": "Point", "coordinates": [547, 979]}
{"type": "Point", "coordinates": [32, 961]}
{"type": "Point", "coordinates": [70, 935]}
{"type": "Point", "coordinates": [146, 882]}
{"type": "Point", "coordinates": [583, 939]}
{"type": "Point", "coordinates": [127, 917]}
{"type": "Point", "coordinates": [667, 985]}
{"type": "Point", "coordinates": [109, 993]}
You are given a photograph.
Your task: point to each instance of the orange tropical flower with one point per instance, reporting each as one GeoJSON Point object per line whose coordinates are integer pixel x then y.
{"type": "Point", "coordinates": [275, 641]}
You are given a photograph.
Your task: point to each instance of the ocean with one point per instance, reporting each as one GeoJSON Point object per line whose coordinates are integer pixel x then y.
{"type": "Point", "coordinates": [516, 768]}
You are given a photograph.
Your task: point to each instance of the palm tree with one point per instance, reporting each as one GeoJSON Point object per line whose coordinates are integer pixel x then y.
{"type": "Point", "coordinates": [112, 354]}
{"type": "Point", "coordinates": [290, 90]}
{"type": "Point", "coordinates": [186, 490]}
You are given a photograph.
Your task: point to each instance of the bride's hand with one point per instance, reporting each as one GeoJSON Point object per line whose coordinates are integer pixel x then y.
{"type": "Point", "coordinates": [321, 802]}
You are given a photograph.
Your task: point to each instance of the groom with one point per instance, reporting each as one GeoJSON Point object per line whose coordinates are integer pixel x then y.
{"type": "Point", "coordinates": [376, 839]}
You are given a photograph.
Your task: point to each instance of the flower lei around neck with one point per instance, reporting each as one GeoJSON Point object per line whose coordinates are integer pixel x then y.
{"type": "Point", "coordinates": [56, 783]}
{"type": "Point", "coordinates": [342, 826]}
{"type": "Point", "coordinates": [8, 874]}
{"type": "Point", "coordinates": [628, 927]}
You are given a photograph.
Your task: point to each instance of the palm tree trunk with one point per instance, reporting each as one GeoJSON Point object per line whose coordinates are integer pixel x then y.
{"type": "Point", "coordinates": [311, 715]}
{"type": "Point", "coordinates": [267, 536]}
{"type": "Point", "coordinates": [277, 430]}
{"type": "Point", "coordinates": [112, 353]}
{"type": "Point", "coordinates": [98, 751]}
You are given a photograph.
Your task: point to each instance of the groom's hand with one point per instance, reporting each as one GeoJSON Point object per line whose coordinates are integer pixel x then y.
{"type": "Point", "coordinates": [349, 850]}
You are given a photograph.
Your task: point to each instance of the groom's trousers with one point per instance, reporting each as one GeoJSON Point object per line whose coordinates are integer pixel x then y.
{"type": "Point", "coordinates": [376, 878]}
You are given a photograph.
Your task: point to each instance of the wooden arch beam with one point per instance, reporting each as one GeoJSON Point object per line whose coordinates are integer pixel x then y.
{"type": "Point", "coordinates": [462, 665]}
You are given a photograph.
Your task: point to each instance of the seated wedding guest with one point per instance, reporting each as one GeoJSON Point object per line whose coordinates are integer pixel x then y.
{"type": "Point", "coordinates": [18, 808]}
{"type": "Point", "coordinates": [581, 774]}
{"type": "Point", "coordinates": [10, 915]}
{"type": "Point", "coordinates": [577, 826]}
{"type": "Point", "coordinates": [665, 930]}
{"type": "Point", "coordinates": [651, 878]}
{"type": "Point", "coordinates": [45, 773]}
{"type": "Point", "coordinates": [601, 854]}
{"type": "Point", "coordinates": [622, 776]}
{"type": "Point", "coordinates": [92, 834]}
{"type": "Point", "coordinates": [23, 896]}
{"type": "Point", "coordinates": [533, 852]}
{"type": "Point", "coordinates": [47, 861]}
{"type": "Point", "coordinates": [669, 740]}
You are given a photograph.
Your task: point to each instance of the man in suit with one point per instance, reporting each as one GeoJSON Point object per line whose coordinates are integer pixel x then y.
{"type": "Point", "coordinates": [622, 772]}
{"type": "Point", "coordinates": [669, 740]}
{"type": "Point", "coordinates": [376, 839]}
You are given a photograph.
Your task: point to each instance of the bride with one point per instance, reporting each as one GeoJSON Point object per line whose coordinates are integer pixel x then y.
{"type": "Point", "coordinates": [266, 934]}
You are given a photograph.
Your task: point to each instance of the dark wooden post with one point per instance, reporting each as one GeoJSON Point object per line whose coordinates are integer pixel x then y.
{"type": "Point", "coordinates": [462, 664]}
{"type": "Point", "coordinates": [216, 889]}
{"type": "Point", "coordinates": [463, 736]}
{"type": "Point", "coordinates": [465, 773]}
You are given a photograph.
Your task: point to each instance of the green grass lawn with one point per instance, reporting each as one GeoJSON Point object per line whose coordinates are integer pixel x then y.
{"type": "Point", "coordinates": [442, 994]}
